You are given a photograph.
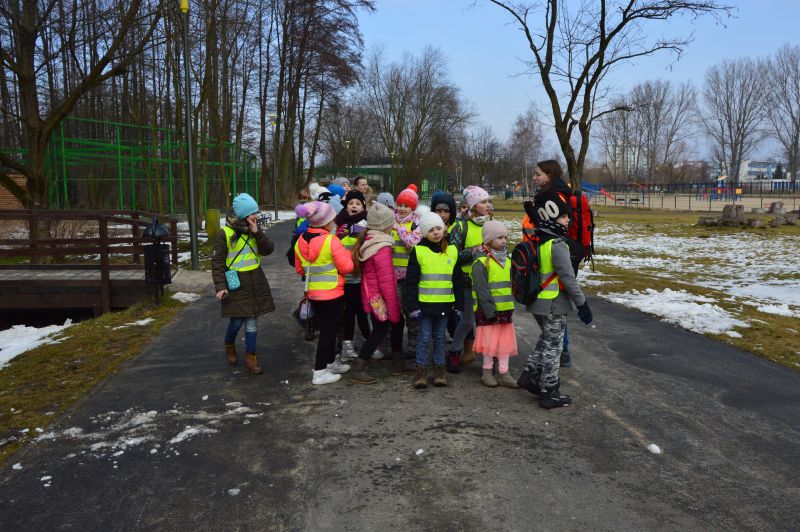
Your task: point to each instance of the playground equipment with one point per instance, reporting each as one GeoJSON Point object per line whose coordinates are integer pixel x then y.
{"type": "Point", "coordinates": [106, 164]}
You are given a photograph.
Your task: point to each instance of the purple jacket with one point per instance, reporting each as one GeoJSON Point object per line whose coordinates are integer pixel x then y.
{"type": "Point", "coordinates": [377, 277]}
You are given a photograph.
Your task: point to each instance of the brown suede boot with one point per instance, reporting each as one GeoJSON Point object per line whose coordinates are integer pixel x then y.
{"type": "Point", "coordinates": [439, 378]}
{"type": "Point", "coordinates": [468, 357]}
{"type": "Point", "coordinates": [358, 373]}
{"type": "Point", "coordinates": [421, 378]}
{"type": "Point", "coordinates": [505, 379]}
{"type": "Point", "coordinates": [233, 357]}
{"type": "Point", "coordinates": [251, 364]}
{"type": "Point", "coordinates": [487, 379]}
{"type": "Point", "coordinates": [399, 364]}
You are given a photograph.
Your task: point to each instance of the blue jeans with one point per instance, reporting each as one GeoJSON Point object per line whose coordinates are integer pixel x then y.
{"type": "Point", "coordinates": [250, 332]}
{"type": "Point", "coordinates": [431, 330]}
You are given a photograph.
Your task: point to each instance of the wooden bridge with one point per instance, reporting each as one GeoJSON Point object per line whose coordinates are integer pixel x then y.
{"type": "Point", "coordinates": [76, 259]}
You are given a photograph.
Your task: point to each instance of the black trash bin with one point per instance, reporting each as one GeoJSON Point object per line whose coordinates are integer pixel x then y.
{"type": "Point", "coordinates": [157, 265]}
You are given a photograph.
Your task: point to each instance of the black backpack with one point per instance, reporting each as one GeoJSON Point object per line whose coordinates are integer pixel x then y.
{"type": "Point", "coordinates": [526, 280]}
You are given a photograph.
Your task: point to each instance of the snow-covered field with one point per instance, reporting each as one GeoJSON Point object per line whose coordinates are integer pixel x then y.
{"type": "Point", "coordinates": [743, 268]}
{"type": "Point", "coordinates": [21, 338]}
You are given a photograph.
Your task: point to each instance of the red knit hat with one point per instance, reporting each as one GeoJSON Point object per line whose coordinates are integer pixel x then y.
{"type": "Point", "coordinates": [408, 197]}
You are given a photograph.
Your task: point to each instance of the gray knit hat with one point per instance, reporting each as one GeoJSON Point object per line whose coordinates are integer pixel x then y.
{"type": "Point", "coordinates": [379, 217]}
{"type": "Point", "coordinates": [386, 199]}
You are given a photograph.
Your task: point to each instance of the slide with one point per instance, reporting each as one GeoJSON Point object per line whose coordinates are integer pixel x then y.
{"type": "Point", "coordinates": [606, 194]}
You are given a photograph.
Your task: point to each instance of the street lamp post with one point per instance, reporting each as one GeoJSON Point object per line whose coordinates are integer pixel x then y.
{"type": "Point", "coordinates": [347, 158]}
{"type": "Point", "coordinates": [274, 121]}
{"type": "Point", "coordinates": [184, 7]}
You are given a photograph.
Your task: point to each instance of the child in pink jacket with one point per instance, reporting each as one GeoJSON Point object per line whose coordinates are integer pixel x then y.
{"type": "Point", "coordinates": [322, 257]}
{"type": "Point", "coordinates": [373, 252]}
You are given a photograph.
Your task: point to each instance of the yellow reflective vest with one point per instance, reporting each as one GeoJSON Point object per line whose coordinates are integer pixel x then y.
{"type": "Point", "coordinates": [322, 273]}
{"type": "Point", "coordinates": [239, 258]}
{"type": "Point", "coordinates": [400, 252]}
{"type": "Point", "coordinates": [436, 274]}
{"type": "Point", "coordinates": [550, 291]}
{"type": "Point", "coordinates": [473, 239]}
{"type": "Point", "coordinates": [499, 284]}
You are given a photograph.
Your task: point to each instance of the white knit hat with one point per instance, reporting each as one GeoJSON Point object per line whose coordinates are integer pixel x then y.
{"type": "Point", "coordinates": [428, 221]}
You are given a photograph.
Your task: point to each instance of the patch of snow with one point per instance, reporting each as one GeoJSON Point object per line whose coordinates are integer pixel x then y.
{"type": "Point", "coordinates": [205, 397]}
{"type": "Point", "coordinates": [21, 338]}
{"type": "Point", "coordinates": [17, 466]}
{"type": "Point", "coordinates": [234, 492]}
{"type": "Point", "coordinates": [781, 310]}
{"type": "Point", "coordinates": [190, 432]}
{"type": "Point", "coordinates": [46, 436]}
{"type": "Point", "coordinates": [653, 448]}
{"type": "Point", "coordinates": [420, 451]}
{"type": "Point", "coordinates": [693, 312]}
{"type": "Point", "coordinates": [185, 297]}
{"type": "Point", "coordinates": [46, 478]}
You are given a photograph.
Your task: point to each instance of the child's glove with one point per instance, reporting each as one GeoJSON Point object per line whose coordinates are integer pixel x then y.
{"type": "Point", "coordinates": [414, 315]}
{"type": "Point", "coordinates": [585, 313]}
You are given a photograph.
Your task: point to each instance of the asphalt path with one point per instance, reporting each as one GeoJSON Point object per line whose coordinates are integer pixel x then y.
{"type": "Point", "coordinates": [179, 440]}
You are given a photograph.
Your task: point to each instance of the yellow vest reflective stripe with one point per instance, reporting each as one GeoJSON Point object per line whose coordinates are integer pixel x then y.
{"type": "Point", "coordinates": [436, 274]}
{"type": "Point", "coordinates": [322, 273]}
{"type": "Point", "coordinates": [546, 270]}
{"type": "Point", "coordinates": [473, 239]}
{"type": "Point", "coordinates": [499, 284]}
{"type": "Point", "coordinates": [247, 260]}
{"type": "Point", "coordinates": [400, 252]}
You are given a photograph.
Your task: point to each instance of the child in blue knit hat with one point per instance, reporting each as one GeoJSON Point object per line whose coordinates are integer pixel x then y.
{"type": "Point", "coordinates": [239, 247]}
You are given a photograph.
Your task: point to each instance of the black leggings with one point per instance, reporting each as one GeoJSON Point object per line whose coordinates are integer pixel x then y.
{"type": "Point", "coordinates": [354, 310]}
{"type": "Point", "coordinates": [379, 330]}
{"type": "Point", "coordinates": [327, 315]}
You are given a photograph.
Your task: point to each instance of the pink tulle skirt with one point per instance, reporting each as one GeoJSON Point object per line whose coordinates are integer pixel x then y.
{"type": "Point", "coordinates": [498, 339]}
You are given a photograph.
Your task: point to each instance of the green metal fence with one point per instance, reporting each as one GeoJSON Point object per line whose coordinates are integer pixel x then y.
{"type": "Point", "coordinates": [102, 164]}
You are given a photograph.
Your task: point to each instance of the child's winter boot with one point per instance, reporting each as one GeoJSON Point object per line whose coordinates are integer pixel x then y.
{"type": "Point", "coordinates": [251, 364]}
{"type": "Point", "coordinates": [505, 379]}
{"type": "Point", "coordinates": [348, 351]}
{"type": "Point", "coordinates": [439, 378]}
{"type": "Point", "coordinates": [468, 357]}
{"type": "Point", "coordinates": [487, 379]}
{"type": "Point", "coordinates": [553, 398]}
{"type": "Point", "coordinates": [454, 362]}
{"type": "Point", "coordinates": [526, 381]}
{"type": "Point", "coordinates": [323, 376]}
{"type": "Point", "coordinates": [358, 373]}
{"type": "Point", "coordinates": [421, 378]}
{"type": "Point", "coordinates": [399, 365]}
{"type": "Point", "coordinates": [230, 351]}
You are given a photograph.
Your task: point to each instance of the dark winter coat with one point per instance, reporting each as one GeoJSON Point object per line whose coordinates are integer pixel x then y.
{"type": "Point", "coordinates": [254, 297]}
{"type": "Point", "coordinates": [413, 277]}
{"type": "Point", "coordinates": [562, 265]}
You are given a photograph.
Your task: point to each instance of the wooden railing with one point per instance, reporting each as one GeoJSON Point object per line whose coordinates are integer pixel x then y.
{"type": "Point", "coordinates": [101, 233]}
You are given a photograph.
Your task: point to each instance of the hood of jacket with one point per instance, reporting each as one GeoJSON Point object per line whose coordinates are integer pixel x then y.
{"type": "Point", "coordinates": [310, 245]}
{"type": "Point", "coordinates": [374, 242]}
{"type": "Point", "coordinates": [443, 197]}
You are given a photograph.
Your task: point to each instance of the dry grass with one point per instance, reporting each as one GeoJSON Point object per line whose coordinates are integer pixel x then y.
{"type": "Point", "coordinates": [42, 383]}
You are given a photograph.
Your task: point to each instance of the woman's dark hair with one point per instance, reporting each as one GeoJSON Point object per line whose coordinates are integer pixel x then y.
{"type": "Point", "coordinates": [357, 179]}
{"type": "Point", "coordinates": [551, 168]}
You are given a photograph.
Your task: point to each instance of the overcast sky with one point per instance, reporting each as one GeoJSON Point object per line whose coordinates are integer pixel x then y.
{"type": "Point", "coordinates": [484, 51]}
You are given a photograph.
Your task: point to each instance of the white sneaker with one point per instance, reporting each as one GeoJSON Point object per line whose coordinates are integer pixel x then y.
{"type": "Point", "coordinates": [338, 367]}
{"type": "Point", "coordinates": [377, 355]}
{"type": "Point", "coordinates": [348, 350]}
{"type": "Point", "coordinates": [323, 376]}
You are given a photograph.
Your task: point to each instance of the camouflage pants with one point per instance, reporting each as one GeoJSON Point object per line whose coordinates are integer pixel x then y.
{"type": "Point", "coordinates": [543, 362]}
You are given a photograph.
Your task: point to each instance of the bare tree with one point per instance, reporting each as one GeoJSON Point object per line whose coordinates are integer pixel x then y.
{"type": "Point", "coordinates": [25, 27]}
{"type": "Point", "coordinates": [575, 50]}
{"type": "Point", "coordinates": [525, 143]}
{"type": "Point", "coordinates": [736, 103]}
{"type": "Point", "coordinates": [484, 150]}
{"type": "Point", "coordinates": [784, 107]}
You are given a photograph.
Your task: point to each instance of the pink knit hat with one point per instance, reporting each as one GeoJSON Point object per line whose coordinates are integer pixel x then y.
{"type": "Point", "coordinates": [493, 229]}
{"type": "Point", "coordinates": [408, 197]}
{"type": "Point", "coordinates": [317, 213]}
{"type": "Point", "coordinates": [474, 195]}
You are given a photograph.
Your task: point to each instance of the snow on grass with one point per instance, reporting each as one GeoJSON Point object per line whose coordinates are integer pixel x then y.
{"type": "Point", "coordinates": [139, 323]}
{"type": "Point", "coordinates": [185, 297]}
{"type": "Point", "coordinates": [190, 432]}
{"type": "Point", "coordinates": [693, 312]}
{"type": "Point", "coordinates": [781, 310]}
{"type": "Point", "coordinates": [21, 338]}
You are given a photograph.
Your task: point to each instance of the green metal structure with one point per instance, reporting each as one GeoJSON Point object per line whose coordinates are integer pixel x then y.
{"type": "Point", "coordinates": [432, 179]}
{"type": "Point", "coordinates": [101, 164]}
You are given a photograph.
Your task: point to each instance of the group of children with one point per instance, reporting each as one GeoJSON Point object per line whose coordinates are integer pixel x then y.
{"type": "Point", "coordinates": [389, 266]}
